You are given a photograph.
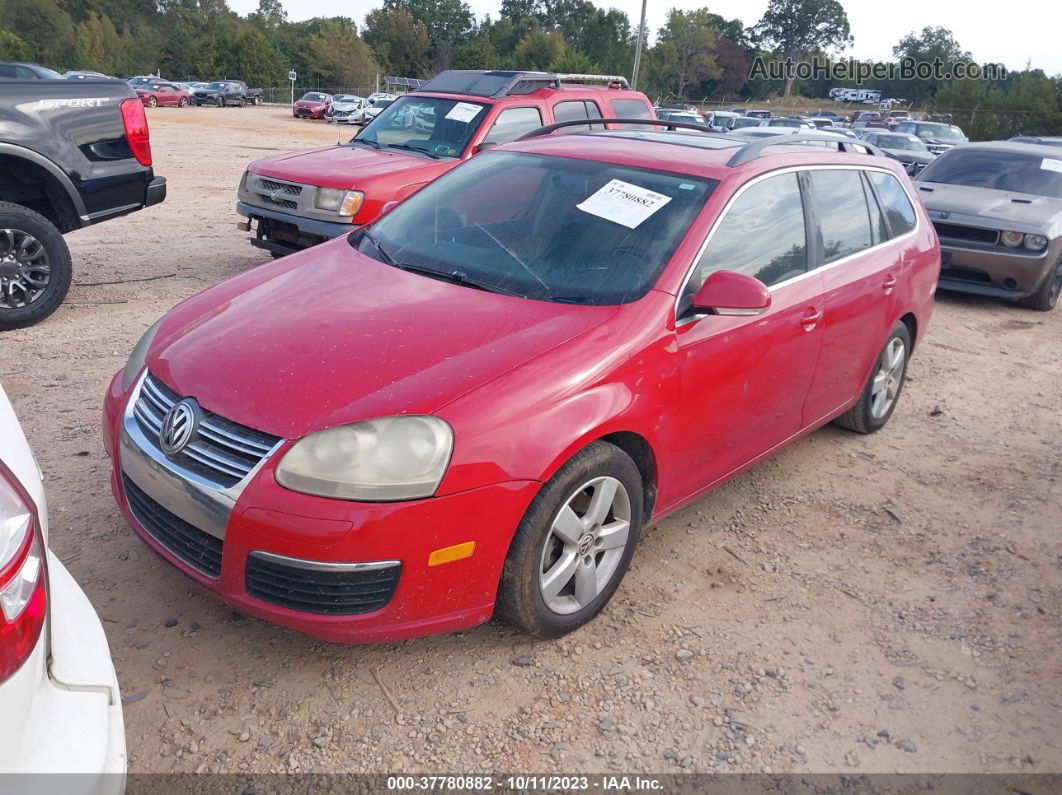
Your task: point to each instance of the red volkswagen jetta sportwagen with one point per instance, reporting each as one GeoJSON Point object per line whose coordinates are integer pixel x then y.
{"type": "Point", "coordinates": [473, 405]}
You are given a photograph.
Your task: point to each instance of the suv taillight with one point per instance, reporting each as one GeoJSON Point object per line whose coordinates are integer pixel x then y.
{"type": "Point", "coordinates": [136, 130]}
{"type": "Point", "coordinates": [23, 578]}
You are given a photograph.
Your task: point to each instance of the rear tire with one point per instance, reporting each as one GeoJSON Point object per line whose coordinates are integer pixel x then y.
{"type": "Point", "coordinates": [220, 102]}
{"type": "Point", "coordinates": [152, 102]}
{"type": "Point", "coordinates": [883, 387]}
{"type": "Point", "coordinates": [182, 103]}
{"type": "Point", "coordinates": [28, 230]}
{"type": "Point", "coordinates": [567, 559]}
{"type": "Point", "coordinates": [1046, 295]}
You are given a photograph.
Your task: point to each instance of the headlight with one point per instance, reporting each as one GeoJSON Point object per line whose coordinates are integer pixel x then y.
{"type": "Point", "coordinates": [136, 358]}
{"type": "Point", "coordinates": [1035, 242]}
{"type": "Point", "coordinates": [1012, 239]}
{"type": "Point", "coordinates": [345, 203]}
{"type": "Point", "coordinates": [392, 458]}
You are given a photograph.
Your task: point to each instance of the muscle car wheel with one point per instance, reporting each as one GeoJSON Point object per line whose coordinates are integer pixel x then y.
{"type": "Point", "coordinates": [152, 102]}
{"type": "Point", "coordinates": [182, 103]}
{"type": "Point", "coordinates": [882, 389]}
{"type": "Point", "coordinates": [574, 544]}
{"type": "Point", "coordinates": [35, 268]}
{"type": "Point", "coordinates": [1046, 295]}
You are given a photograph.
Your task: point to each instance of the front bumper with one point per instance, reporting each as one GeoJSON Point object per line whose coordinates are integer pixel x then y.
{"type": "Point", "coordinates": [994, 274]}
{"type": "Point", "coordinates": [285, 233]}
{"type": "Point", "coordinates": [265, 517]}
{"type": "Point", "coordinates": [73, 732]}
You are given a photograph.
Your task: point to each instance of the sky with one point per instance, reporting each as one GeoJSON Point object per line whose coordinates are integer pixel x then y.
{"type": "Point", "coordinates": [1013, 33]}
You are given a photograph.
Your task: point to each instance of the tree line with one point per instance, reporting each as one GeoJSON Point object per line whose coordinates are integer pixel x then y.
{"type": "Point", "coordinates": [696, 55]}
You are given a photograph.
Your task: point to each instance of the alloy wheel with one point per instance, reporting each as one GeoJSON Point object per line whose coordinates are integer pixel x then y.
{"type": "Point", "coordinates": [24, 268]}
{"type": "Point", "coordinates": [585, 545]}
{"type": "Point", "coordinates": [888, 378]}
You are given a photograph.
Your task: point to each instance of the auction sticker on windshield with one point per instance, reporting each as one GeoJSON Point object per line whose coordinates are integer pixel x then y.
{"type": "Point", "coordinates": [463, 111]}
{"type": "Point", "coordinates": [1050, 164]}
{"type": "Point", "coordinates": [623, 203]}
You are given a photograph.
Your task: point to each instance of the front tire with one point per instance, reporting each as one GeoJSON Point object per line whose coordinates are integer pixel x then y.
{"type": "Point", "coordinates": [220, 102]}
{"type": "Point", "coordinates": [35, 269]}
{"type": "Point", "coordinates": [574, 544]}
{"type": "Point", "coordinates": [182, 103]}
{"type": "Point", "coordinates": [1046, 295]}
{"type": "Point", "coordinates": [882, 390]}
{"type": "Point", "coordinates": [152, 102]}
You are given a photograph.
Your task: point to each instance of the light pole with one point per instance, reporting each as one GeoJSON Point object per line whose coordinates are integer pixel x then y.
{"type": "Point", "coordinates": [638, 49]}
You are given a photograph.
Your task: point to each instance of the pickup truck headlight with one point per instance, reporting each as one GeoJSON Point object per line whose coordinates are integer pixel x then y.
{"type": "Point", "coordinates": [386, 459]}
{"type": "Point", "coordinates": [137, 357]}
{"type": "Point", "coordinates": [342, 202]}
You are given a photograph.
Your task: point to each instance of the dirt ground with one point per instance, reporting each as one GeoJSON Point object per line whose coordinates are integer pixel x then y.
{"type": "Point", "coordinates": [856, 603]}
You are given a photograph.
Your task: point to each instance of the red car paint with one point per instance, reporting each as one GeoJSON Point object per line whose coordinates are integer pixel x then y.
{"type": "Point", "coordinates": [386, 176]}
{"type": "Point", "coordinates": [523, 384]}
{"type": "Point", "coordinates": [310, 108]}
{"type": "Point", "coordinates": [163, 94]}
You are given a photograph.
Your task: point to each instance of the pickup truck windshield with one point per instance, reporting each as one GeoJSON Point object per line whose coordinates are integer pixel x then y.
{"type": "Point", "coordinates": [546, 228]}
{"type": "Point", "coordinates": [436, 127]}
{"type": "Point", "coordinates": [939, 132]}
{"type": "Point", "coordinates": [1010, 171]}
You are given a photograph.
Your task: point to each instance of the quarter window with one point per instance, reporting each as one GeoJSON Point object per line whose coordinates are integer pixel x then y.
{"type": "Point", "coordinates": [762, 234]}
{"type": "Point", "coordinates": [879, 231]}
{"type": "Point", "coordinates": [573, 110]}
{"type": "Point", "coordinates": [630, 109]}
{"type": "Point", "coordinates": [894, 201]}
{"type": "Point", "coordinates": [512, 123]}
{"type": "Point", "coordinates": [843, 214]}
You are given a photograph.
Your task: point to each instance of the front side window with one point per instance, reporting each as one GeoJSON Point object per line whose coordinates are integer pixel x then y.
{"type": "Point", "coordinates": [546, 228]}
{"type": "Point", "coordinates": [762, 234]}
{"type": "Point", "coordinates": [894, 201]}
{"type": "Point", "coordinates": [630, 109]}
{"type": "Point", "coordinates": [574, 110]}
{"type": "Point", "coordinates": [512, 123]}
{"type": "Point", "coordinates": [843, 214]}
{"type": "Point", "coordinates": [432, 126]}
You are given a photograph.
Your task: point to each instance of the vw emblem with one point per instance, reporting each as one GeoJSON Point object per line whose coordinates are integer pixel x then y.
{"type": "Point", "coordinates": [178, 426]}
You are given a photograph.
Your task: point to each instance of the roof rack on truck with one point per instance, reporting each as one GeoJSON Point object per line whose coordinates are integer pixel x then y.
{"type": "Point", "coordinates": [479, 83]}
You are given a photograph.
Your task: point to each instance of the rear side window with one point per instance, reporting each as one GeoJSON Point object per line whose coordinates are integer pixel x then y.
{"type": "Point", "coordinates": [843, 214]}
{"type": "Point", "coordinates": [762, 234]}
{"type": "Point", "coordinates": [512, 123]}
{"type": "Point", "coordinates": [894, 201]}
{"type": "Point", "coordinates": [574, 110]}
{"type": "Point", "coordinates": [630, 109]}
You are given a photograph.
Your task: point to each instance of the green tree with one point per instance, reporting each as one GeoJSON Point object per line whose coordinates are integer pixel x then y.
{"type": "Point", "coordinates": [931, 44]}
{"type": "Point", "coordinates": [341, 57]}
{"type": "Point", "coordinates": [270, 16]}
{"type": "Point", "coordinates": [400, 44]}
{"type": "Point", "coordinates": [46, 29]}
{"type": "Point", "coordinates": [683, 56]}
{"type": "Point", "coordinates": [538, 49]}
{"type": "Point", "coordinates": [12, 48]}
{"type": "Point", "coordinates": [97, 45]}
{"type": "Point", "coordinates": [798, 27]}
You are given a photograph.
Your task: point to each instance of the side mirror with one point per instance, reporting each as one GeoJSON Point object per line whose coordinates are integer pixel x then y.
{"type": "Point", "coordinates": [387, 208]}
{"type": "Point", "coordinates": [483, 147]}
{"type": "Point", "coordinates": [732, 293]}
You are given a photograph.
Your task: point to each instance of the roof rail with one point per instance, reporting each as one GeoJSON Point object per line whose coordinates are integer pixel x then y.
{"type": "Point", "coordinates": [578, 78]}
{"type": "Point", "coordinates": [744, 154]}
{"type": "Point", "coordinates": [501, 83]}
{"type": "Point", "coordinates": [752, 150]}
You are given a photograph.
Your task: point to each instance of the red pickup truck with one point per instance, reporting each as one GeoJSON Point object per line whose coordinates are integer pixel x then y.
{"type": "Point", "coordinates": [298, 200]}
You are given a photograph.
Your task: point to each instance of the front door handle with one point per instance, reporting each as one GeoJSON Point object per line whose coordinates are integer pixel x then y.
{"type": "Point", "coordinates": [889, 284]}
{"type": "Point", "coordinates": [811, 318]}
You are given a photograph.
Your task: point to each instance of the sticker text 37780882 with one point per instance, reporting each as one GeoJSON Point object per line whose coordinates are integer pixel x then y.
{"type": "Point", "coordinates": [623, 203]}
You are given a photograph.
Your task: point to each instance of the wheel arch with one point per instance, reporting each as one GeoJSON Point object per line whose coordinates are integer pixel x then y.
{"type": "Point", "coordinates": [34, 181]}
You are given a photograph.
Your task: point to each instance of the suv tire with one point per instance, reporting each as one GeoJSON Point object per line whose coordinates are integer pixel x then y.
{"type": "Point", "coordinates": [220, 101]}
{"type": "Point", "coordinates": [587, 551]}
{"type": "Point", "coordinates": [1046, 295]}
{"type": "Point", "coordinates": [28, 229]}
{"type": "Point", "coordinates": [883, 387]}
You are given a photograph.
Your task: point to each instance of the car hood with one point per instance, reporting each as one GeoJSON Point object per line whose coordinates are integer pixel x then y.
{"type": "Point", "coordinates": [348, 166]}
{"type": "Point", "coordinates": [909, 155]}
{"type": "Point", "coordinates": [345, 106]}
{"type": "Point", "coordinates": [328, 336]}
{"type": "Point", "coordinates": [1024, 208]}
{"type": "Point", "coordinates": [208, 90]}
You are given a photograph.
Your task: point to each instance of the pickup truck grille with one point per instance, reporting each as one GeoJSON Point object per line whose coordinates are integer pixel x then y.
{"type": "Point", "coordinates": [269, 192]}
{"type": "Point", "coordinates": [224, 452]}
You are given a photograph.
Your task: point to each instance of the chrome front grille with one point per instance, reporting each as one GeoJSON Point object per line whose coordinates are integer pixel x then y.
{"type": "Point", "coordinates": [223, 451]}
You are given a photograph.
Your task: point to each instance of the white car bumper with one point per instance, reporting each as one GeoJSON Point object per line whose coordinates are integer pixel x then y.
{"type": "Point", "coordinates": [64, 715]}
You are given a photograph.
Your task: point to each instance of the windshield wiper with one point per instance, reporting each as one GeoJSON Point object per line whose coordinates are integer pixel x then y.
{"type": "Point", "coordinates": [459, 277]}
{"type": "Point", "coordinates": [416, 149]}
{"type": "Point", "coordinates": [365, 233]}
{"type": "Point", "coordinates": [366, 141]}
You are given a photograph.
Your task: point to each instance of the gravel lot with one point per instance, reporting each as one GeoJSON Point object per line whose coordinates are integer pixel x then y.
{"type": "Point", "coordinates": [856, 603]}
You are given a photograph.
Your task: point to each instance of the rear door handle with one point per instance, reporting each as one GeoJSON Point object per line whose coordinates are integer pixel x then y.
{"type": "Point", "coordinates": [811, 318]}
{"type": "Point", "coordinates": [889, 284]}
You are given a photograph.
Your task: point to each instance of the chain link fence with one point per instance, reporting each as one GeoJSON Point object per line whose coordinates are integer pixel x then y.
{"type": "Point", "coordinates": [282, 95]}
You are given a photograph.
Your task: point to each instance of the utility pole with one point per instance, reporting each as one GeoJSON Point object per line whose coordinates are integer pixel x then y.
{"type": "Point", "coordinates": [638, 49]}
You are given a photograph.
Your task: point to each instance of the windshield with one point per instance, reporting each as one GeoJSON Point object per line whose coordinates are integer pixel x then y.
{"type": "Point", "coordinates": [344, 98]}
{"type": "Point", "coordinates": [430, 125]}
{"type": "Point", "coordinates": [546, 228]}
{"type": "Point", "coordinates": [785, 123]}
{"type": "Point", "coordinates": [941, 132]}
{"type": "Point", "coordinates": [739, 123]}
{"type": "Point", "coordinates": [1011, 171]}
{"type": "Point", "coordinates": [313, 97]}
{"type": "Point", "coordinates": [901, 142]}
{"type": "Point", "coordinates": [218, 86]}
